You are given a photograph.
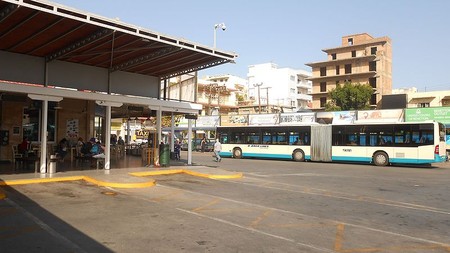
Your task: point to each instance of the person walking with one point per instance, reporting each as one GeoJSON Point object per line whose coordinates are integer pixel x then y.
{"type": "Point", "coordinates": [217, 149]}
{"type": "Point", "coordinates": [203, 144]}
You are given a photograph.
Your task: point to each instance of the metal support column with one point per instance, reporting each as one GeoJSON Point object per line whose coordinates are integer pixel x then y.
{"type": "Point", "coordinates": [107, 164]}
{"type": "Point", "coordinates": [43, 162]}
{"type": "Point", "coordinates": [189, 142]}
{"type": "Point", "coordinates": [172, 133]}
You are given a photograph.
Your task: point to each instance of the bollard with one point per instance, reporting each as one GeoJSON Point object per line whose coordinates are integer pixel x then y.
{"type": "Point", "coordinates": [52, 164]}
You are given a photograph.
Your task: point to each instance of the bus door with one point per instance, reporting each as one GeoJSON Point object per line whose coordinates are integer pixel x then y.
{"type": "Point", "coordinates": [321, 143]}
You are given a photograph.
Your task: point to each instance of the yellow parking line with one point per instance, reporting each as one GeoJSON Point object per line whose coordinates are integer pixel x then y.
{"type": "Point", "coordinates": [205, 206]}
{"type": "Point", "coordinates": [260, 218]}
{"type": "Point", "coordinates": [339, 237]}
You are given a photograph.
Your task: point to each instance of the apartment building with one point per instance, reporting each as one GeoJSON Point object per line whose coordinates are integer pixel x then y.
{"type": "Point", "coordinates": [271, 86]}
{"type": "Point", "coordinates": [360, 59]}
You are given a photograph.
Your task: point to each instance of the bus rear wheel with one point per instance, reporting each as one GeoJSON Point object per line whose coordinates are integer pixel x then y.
{"type": "Point", "coordinates": [380, 159]}
{"type": "Point", "coordinates": [298, 156]}
{"type": "Point", "coordinates": [237, 153]}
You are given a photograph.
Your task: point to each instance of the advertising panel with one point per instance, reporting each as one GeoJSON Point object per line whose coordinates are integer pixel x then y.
{"type": "Point", "coordinates": [263, 119]}
{"type": "Point", "coordinates": [207, 121]}
{"type": "Point", "coordinates": [297, 118]}
{"type": "Point", "coordinates": [394, 115]}
{"type": "Point", "coordinates": [344, 117]}
{"type": "Point", "coordinates": [234, 120]}
{"type": "Point", "coordinates": [439, 114]}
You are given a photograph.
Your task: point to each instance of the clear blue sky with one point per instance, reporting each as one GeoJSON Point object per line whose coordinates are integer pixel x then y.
{"type": "Point", "coordinates": [291, 33]}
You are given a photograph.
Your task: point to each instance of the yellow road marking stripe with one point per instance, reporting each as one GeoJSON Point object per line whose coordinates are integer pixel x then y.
{"type": "Point", "coordinates": [260, 218]}
{"type": "Point", "coordinates": [339, 237]}
{"type": "Point", "coordinates": [205, 206]}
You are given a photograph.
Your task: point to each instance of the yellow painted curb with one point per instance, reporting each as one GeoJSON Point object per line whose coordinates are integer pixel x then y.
{"type": "Point", "coordinates": [155, 173]}
{"type": "Point", "coordinates": [189, 172]}
{"type": "Point", "coordinates": [76, 178]}
{"type": "Point", "coordinates": [120, 185]}
{"type": "Point", "coordinates": [40, 180]}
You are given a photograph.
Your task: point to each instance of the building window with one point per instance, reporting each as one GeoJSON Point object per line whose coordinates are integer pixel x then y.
{"type": "Point", "coordinates": [373, 99]}
{"type": "Point", "coordinates": [323, 101]}
{"type": "Point", "coordinates": [373, 66]}
{"type": "Point", "coordinates": [337, 70]}
{"type": "Point", "coordinates": [348, 68]}
{"type": "Point", "coordinates": [323, 71]}
{"type": "Point", "coordinates": [292, 103]}
{"type": "Point", "coordinates": [31, 122]}
{"type": "Point", "coordinates": [354, 53]}
{"type": "Point", "coordinates": [373, 82]}
{"type": "Point", "coordinates": [373, 50]}
{"type": "Point", "coordinates": [323, 87]}
{"type": "Point", "coordinates": [292, 78]}
{"type": "Point", "coordinates": [292, 90]}
{"type": "Point", "coordinates": [350, 41]}
{"type": "Point", "coordinates": [333, 56]}
{"type": "Point", "coordinates": [421, 105]}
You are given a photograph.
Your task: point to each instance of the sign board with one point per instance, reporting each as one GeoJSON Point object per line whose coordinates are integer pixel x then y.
{"type": "Point", "coordinates": [207, 121]}
{"type": "Point", "coordinates": [344, 117]}
{"type": "Point", "coordinates": [297, 118]}
{"type": "Point", "coordinates": [439, 114]}
{"type": "Point", "coordinates": [234, 120]}
{"type": "Point", "coordinates": [263, 119]}
{"type": "Point", "coordinates": [394, 115]}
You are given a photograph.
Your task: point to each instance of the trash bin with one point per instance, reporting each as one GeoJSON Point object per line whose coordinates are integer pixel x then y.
{"type": "Point", "coordinates": [164, 155]}
{"type": "Point", "coordinates": [52, 164]}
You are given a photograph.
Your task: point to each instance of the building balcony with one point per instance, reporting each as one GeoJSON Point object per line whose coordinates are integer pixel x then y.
{"type": "Point", "coordinates": [303, 97]}
{"type": "Point", "coordinates": [344, 76]}
{"type": "Point", "coordinates": [303, 85]}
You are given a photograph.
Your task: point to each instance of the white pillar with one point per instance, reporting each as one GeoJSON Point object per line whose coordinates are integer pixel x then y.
{"type": "Point", "coordinates": [108, 138]}
{"type": "Point", "coordinates": [43, 165]}
{"type": "Point", "coordinates": [189, 142]}
{"type": "Point", "coordinates": [172, 131]}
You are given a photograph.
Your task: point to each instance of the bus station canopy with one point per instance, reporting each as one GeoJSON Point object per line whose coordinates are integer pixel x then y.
{"type": "Point", "coordinates": [56, 32]}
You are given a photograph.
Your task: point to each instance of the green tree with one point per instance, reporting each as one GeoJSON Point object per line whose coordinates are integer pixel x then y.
{"type": "Point", "coordinates": [350, 97]}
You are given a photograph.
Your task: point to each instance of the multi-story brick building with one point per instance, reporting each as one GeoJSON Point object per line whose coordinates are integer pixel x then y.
{"type": "Point", "coordinates": [360, 59]}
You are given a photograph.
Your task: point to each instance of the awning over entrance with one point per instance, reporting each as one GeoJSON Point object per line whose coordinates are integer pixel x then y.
{"type": "Point", "coordinates": [156, 104]}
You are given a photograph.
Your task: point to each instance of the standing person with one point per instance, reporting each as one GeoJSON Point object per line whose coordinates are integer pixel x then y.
{"type": "Point", "coordinates": [177, 149]}
{"type": "Point", "coordinates": [121, 145]}
{"type": "Point", "coordinates": [203, 144]}
{"type": "Point", "coordinates": [217, 149]}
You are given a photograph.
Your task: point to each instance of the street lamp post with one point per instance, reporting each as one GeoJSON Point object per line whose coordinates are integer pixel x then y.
{"type": "Point", "coordinates": [222, 26]}
{"type": "Point", "coordinates": [259, 93]}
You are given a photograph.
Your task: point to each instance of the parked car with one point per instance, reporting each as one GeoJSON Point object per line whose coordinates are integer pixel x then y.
{"type": "Point", "coordinates": [196, 145]}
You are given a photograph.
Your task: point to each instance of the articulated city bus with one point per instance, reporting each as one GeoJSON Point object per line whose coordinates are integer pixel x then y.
{"type": "Point", "coordinates": [377, 143]}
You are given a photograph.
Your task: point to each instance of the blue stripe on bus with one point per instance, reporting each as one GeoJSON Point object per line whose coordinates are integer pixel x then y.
{"type": "Point", "coordinates": [436, 159]}
{"type": "Point", "coordinates": [260, 155]}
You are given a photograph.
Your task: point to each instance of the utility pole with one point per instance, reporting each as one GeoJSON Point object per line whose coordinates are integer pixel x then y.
{"type": "Point", "coordinates": [267, 97]}
{"type": "Point", "coordinates": [259, 93]}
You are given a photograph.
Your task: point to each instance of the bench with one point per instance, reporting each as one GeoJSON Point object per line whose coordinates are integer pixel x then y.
{"type": "Point", "coordinates": [92, 160]}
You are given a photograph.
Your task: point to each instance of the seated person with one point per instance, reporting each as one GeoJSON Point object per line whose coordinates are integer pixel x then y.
{"type": "Point", "coordinates": [61, 150]}
{"type": "Point", "coordinates": [23, 146]}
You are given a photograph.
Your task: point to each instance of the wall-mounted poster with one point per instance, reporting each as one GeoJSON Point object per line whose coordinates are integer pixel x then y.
{"type": "Point", "coordinates": [72, 129]}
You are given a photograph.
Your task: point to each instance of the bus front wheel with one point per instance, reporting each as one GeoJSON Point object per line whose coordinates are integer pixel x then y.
{"type": "Point", "coordinates": [298, 156]}
{"type": "Point", "coordinates": [380, 159]}
{"type": "Point", "coordinates": [237, 153]}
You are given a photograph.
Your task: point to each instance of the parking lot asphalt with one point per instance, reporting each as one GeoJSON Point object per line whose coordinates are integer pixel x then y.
{"type": "Point", "coordinates": [277, 206]}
